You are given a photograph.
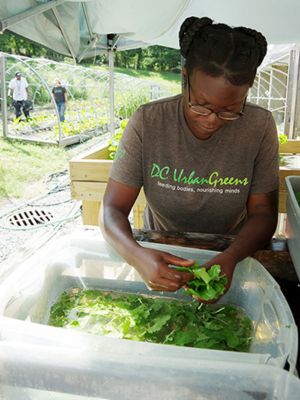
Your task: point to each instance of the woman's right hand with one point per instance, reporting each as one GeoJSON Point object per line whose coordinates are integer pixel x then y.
{"type": "Point", "coordinates": [153, 266]}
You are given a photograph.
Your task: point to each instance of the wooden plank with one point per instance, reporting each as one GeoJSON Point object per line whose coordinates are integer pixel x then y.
{"type": "Point", "coordinates": [283, 174]}
{"type": "Point", "coordinates": [90, 212]}
{"type": "Point", "coordinates": [90, 170]}
{"type": "Point", "coordinates": [94, 191]}
{"type": "Point", "coordinates": [291, 146]}
{"type": "Point", "coordinates": [90, 191]}
{"type": "Point", "coordinates": [101, 153]}
{"type": "Point", "coordinates": [138, 213]}
{"type": "Point", "coordinates": [282, 202]}
{"type": "Point", "coordinates": [96, 153]}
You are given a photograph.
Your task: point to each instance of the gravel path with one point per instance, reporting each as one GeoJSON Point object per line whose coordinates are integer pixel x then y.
{"type": "Point", "coordinates": [55, 206]}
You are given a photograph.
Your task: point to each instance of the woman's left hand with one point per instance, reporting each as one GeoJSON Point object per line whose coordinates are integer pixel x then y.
{"type": "Point", "coordinates": [228, 263]}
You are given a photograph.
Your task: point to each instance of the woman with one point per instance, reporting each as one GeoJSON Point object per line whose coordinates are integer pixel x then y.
{"type": "Point", "coordinates": [60, 96]}
{"type": "Point", "coordinates": [207, 160]}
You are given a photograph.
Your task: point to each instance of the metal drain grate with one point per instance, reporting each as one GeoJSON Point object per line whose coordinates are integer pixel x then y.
{"type": "Point", "coordinates": [30, 217]}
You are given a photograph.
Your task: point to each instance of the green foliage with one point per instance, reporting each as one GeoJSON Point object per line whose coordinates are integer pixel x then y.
{"type": "Point", "coordinates": [282, 138]}
{"type": "Point", "coordinates": [155, 320]}
{"type": "Point", "coordinates": [154, 58]}
{"type": "Point", "coordinates": [208, 284]}
{"type": "Point", "coordinates": [78, 126]}
{"type": "Point", "coordinates": [114, 141]}
{"type": "Point", "coordinates": [41, 95]}
{"type": "Point", "coordinates": [14, 44]}
{"type": "Point", "coordinates": [127, 103]}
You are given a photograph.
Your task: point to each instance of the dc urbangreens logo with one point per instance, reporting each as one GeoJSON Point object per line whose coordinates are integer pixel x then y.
{"type": "Point", "coordinates": [175, 175]}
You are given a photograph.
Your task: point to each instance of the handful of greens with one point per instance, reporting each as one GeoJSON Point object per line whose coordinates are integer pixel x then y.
{"type": "Point", "coordinates": [154, 320]}
{"type": "Point", "coordinates": [208, 284]}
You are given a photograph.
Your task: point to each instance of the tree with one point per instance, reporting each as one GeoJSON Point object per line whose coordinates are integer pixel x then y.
{"type": "Point", "coordinates": [14, 44]}
{"type": "Point", "coordinates": [153, 58]}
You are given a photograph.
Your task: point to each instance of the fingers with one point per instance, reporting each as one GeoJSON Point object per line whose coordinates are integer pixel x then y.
{"type": "Point", "coordinates": [161, 277]}
{"type": "Point", "coordinates": [176, 276]}
{"type": "Point", "coordinates": [169, 280]}
{"type": "Point", "coordinates": [164, 285]}
{"type": "Point", "coordinates": [171, 259]}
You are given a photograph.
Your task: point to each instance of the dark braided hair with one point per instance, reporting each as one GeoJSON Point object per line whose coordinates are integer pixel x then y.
{"type": "Point", "coordinates": [219, 50]}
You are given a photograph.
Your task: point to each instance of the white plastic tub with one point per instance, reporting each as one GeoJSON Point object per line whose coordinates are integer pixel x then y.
{"type": "Point", "coordinates": [38, 373]}
{"type": "Point", "coordinates": [293, 220]}
{"type": "Point", "coordinates": [85, 260]}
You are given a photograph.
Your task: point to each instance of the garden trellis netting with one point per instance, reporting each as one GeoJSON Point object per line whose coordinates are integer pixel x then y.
{"type": "Point", "coordinates": [89, 101]}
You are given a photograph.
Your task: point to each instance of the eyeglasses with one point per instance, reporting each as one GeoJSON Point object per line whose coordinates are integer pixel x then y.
{"type": "Point", "coordinates": [205, 111]}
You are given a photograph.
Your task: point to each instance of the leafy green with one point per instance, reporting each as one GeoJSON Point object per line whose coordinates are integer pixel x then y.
{"type": "Point", "coordinates": [113, 143]}
{"type": "Point", "coordinates": [282, 138]}
{"type": "Point", "coordinates": [155, 320]}
{"type": "Point", "coordinates": [208, 284]}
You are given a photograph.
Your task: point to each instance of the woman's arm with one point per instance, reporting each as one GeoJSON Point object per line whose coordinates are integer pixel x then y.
{"type": "Point", "coordinates": [262, 214]}
{"type": "Point", "coordinates": [152, 265]}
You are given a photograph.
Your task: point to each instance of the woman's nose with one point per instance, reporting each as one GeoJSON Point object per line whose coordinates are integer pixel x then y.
{"type": "Point", "coordinates": [212, 118]}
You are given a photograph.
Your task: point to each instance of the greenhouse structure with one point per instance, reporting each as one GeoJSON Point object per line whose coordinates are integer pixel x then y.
{"type": "Point", "coordinates": [99, 98]}
{"type": "Point", "coordinates": [96, 101]}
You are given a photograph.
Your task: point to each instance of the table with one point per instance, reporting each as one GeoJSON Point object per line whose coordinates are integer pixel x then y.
{"type": "Point", "coordinates": [275, 258]}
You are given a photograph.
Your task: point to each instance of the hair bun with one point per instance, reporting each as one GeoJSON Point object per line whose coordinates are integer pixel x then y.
{"type": "Point", "coordinates": [189, 28]}
{"type": "Point", "coordinates": [260, 41]}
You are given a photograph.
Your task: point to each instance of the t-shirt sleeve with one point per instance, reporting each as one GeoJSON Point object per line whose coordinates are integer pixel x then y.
{"type": "Point", "coordinates": [25, 83]}
{"type": "Point", "coordinates": [127, 166]}
{"type": "Point", "coordinates": [266, 166]}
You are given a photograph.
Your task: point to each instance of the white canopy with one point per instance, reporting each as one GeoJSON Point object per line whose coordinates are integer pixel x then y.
{"type": "Point", "coordinates": [80, 28]}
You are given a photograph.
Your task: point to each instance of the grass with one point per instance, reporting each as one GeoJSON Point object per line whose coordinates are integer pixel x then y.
{"type": "Point", "coordinates": [24, 163]}
{"type": "Point", "coordinates": [169, 80]}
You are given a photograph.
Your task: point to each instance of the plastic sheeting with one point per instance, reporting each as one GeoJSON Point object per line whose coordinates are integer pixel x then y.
{"type": "Point", "coordinates": [80, 28]}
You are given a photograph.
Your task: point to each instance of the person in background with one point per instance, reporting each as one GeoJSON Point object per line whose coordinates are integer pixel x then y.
{"type": "Point", "coordinates": [18, 88]}
{"type": "Point", "coordinates": [207, 160]}
{"type": "Point", "coordinates": [60, 96]}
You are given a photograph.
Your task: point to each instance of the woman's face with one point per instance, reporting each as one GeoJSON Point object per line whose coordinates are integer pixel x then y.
{"type": "Point", "coordinates": [216, 94]}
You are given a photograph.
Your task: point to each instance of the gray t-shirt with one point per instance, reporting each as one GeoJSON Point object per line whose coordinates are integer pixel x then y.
{"type": "Point", "coordinates": [194, 185]}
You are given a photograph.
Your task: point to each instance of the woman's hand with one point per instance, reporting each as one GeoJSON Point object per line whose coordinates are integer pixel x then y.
{"type": "Point", "coordinates": [228, 263]}
{"type": "Point", "coordinates": [153, 266]}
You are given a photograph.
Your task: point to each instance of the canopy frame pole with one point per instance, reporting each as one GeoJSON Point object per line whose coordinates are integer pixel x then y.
{"type": "Point", "coordinates": [3, 96]}
{"type": "Point", "coordinates": [112, 40]}
{"type": "Point", "coordinates": [64, 33]}
{"type": "Point", "coordinates": [111, 92]}
{"type": "Point", "coordinates": [15, 19]}
{"type": "Point", "coordinates": [292, 88]}
{"type": "Point", "coordinates": [87, 20]}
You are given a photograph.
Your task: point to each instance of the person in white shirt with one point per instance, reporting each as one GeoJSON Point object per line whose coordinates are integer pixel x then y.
{"type": "Point", "coordinates": [18, 87]}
